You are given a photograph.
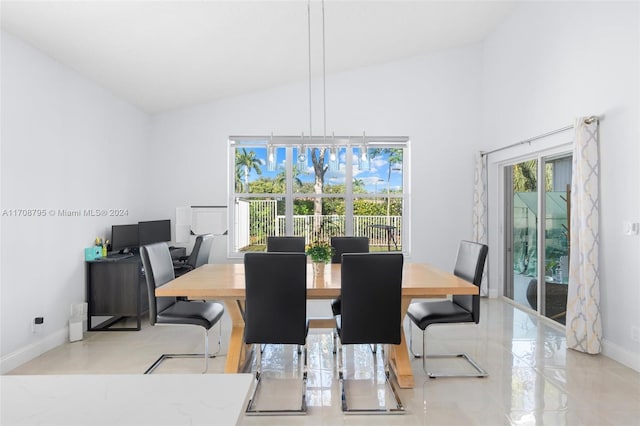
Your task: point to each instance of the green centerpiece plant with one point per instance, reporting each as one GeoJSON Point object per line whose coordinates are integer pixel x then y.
{"type": "Point", "coordinates": [320, 253]}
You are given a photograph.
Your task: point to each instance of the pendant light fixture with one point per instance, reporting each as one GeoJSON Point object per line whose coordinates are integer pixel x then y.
{"type": "Point", "coordinates": [271, 156]}
{"type": "Point", "coordinates": [363, 158]}
{"type": "Point", "coordinates": [302, 154]}
{"type": "Point", "coordinates": [334, 160]}
{"type": "Point", "coordinates": [302, 151]}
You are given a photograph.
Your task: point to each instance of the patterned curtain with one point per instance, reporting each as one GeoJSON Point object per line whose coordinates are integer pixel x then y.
{"type": "Point", "coordinates": [480, 211]}
{"type": "Point", "coordinates": [584, 328]}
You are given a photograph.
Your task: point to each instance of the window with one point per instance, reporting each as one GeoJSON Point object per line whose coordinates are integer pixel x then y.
{"type": "Point", "coordinates": [297, 186]}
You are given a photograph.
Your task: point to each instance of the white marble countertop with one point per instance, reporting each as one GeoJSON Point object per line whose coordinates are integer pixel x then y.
{"type": "Point", "coordinates": [160, 399]}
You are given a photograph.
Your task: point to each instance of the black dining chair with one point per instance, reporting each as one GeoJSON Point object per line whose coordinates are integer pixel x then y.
{"type": "Point", "coordinates": [340, 246]}
{"type": "Point", "coordinates": [461, 309]}
{"type": "Point", "coordinates": [276, 311]}
{"type": "Point", "coordinates": [199, 255]}
{"type": "Point", "coordinates": [285, 244]}
{"type": "Point", "coordinates": [346, 245]}
{"type": "Point", "coordinates": [158, 270]}
{"type": "Point", "coordinates": [371, 290]}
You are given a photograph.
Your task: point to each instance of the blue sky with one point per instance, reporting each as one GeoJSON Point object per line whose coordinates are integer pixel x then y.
{"type": "Point", "coordinates": [374, 175]}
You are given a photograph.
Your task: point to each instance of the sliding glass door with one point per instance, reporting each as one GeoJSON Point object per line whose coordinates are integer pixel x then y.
{"type": "Point", "coordinates": [522, 218]}
{"type": "Point", "coordinates": [537, 210]}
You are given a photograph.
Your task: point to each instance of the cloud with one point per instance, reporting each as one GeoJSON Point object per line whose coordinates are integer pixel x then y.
{"type": "Point", "coordinates": [378, 162]}
{"type": "Point", "coordinates": [370, 180]}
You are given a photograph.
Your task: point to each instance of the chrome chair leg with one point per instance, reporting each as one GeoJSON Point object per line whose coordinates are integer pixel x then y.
{"type": "Point", "coordinates": [479, 371]}
{"type": "Point", "coordinates": [415, 355]}
{"type": "Point", "coordinates": [219, 338]}
{"type": "Point", "coordinates": [398, 409]}
{"type": "Point", "coordinates": [387, 370]}
{"type": "Point", "coordinates": [251, 410]}
{"type": "Point", "coordinates": [206, 355]}
{"type": "Point", "coordinates": [206, 350]}
{"type": "Point", "coordinates": [304, 380]}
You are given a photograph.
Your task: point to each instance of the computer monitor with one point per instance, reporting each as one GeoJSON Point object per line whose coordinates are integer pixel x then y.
{"type": "Point", "coordinates": [154, 231]}
{"type": "Point", "coordinates": [124, 237]}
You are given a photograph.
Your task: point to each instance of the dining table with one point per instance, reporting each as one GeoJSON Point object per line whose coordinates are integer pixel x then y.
{"type": "Point", "coordinates": [225, 282]}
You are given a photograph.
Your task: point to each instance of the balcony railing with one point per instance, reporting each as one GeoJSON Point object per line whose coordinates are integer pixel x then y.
{"type": "Point", "coordinates": [381, 230]}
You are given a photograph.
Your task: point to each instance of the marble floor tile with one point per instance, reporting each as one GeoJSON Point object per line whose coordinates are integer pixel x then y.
{"type": "Point", "coordinates": [533, 378]}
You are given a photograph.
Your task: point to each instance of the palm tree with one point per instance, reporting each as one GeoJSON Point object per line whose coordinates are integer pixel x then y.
{"type": "Point", "coordinates": [238, 179]}
{"type": "Point", "coordinates": [280, 180]}
{"type": "Point", "coordinates": [319, 168]}
{"type": "Point", "coordinates": [358, 186]}
{"type": "Point", "coordinates": [525, 176]}
{"type": "Point", "coordinates": [246, 161]}
{"type": "Point", "coordinates": [394, 158]}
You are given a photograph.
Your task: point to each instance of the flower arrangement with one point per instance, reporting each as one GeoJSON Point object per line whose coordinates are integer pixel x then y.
{"type": "Point", "coordinates": [104, 245]}
{"type": "Point", "coordinates": [319, 251]}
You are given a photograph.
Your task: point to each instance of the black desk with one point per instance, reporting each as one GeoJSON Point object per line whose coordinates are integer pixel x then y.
{"type": "Point", "coordinates": [116, 288]}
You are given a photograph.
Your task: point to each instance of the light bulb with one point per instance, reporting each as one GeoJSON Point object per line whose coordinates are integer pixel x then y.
{"type": "Point", "coordinates": [271, 158]}
{"type": "Point", "coordinates": [302, 154]}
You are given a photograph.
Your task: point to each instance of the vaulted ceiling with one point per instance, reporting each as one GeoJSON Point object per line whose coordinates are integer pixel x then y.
{"type": "Point", "coordinates": [161, 55]}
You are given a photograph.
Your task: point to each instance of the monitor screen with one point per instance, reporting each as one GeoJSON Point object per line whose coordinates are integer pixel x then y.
{"type": "Point", "coordinates": [124, 237]}
{"type": "Point", "coordinates": [154, 231]}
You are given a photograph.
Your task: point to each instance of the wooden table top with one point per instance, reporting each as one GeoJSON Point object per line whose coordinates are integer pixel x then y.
{"type": "Point", "coordinates": [226, 280]}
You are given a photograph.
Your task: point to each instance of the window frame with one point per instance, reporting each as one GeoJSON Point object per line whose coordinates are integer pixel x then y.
{"type": "Point", "coordinates": [289, 195]}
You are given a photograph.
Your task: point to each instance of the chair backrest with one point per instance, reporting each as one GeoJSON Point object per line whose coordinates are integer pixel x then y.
{"type": "Point", "coordinates": [201, 250]}
{"type": "Point", "coordinates": [158, 270]}
{"type": "Point", "coordinates": [276, 298]}
{"type": "Point", "coordinates": [371, 290]}
{"type": "Point", "coordinates": [285, 244]}
{"type": "Point", "coordinates": [469, 266]}
{"type": "Point", "coordinates": [348, 245]}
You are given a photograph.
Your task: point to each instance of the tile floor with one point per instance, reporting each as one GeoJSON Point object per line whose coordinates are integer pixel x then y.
{"type": "Point", "coordinates": [533, 379]}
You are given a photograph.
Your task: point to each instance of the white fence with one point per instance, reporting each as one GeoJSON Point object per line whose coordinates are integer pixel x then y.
{"type": "Point", "coordinates": [264, 221]}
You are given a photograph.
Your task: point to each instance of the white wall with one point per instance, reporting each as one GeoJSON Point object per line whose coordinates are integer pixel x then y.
{"type": "Point", "coordinates": [66, 144]}
{"type": "Point", "coordinates": [433, 99]}
{"type": "Point", "coordinates": [547, 64]}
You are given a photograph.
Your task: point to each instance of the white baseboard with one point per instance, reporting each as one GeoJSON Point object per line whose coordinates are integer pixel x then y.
{"type": "Point", "coordinates": [621, 355]}
{"type": "Point", "coordinates": [33, 350]}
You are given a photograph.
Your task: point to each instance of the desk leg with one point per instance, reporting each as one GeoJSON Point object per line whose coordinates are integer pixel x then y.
{"type": "Point", "coordinates": [237, 351]}
{"type": "Point", "coordinates": [400, 360]}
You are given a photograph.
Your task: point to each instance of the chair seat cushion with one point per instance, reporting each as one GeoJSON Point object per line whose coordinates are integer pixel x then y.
{"type": "Point", "coordinates": [181, 269]}
{"type": "Point", "coordinates": [423, 314]}
{"type": "Point", "coordinates": [204, 314]}
{"type": "Point", "coordinates": [336, 305]}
